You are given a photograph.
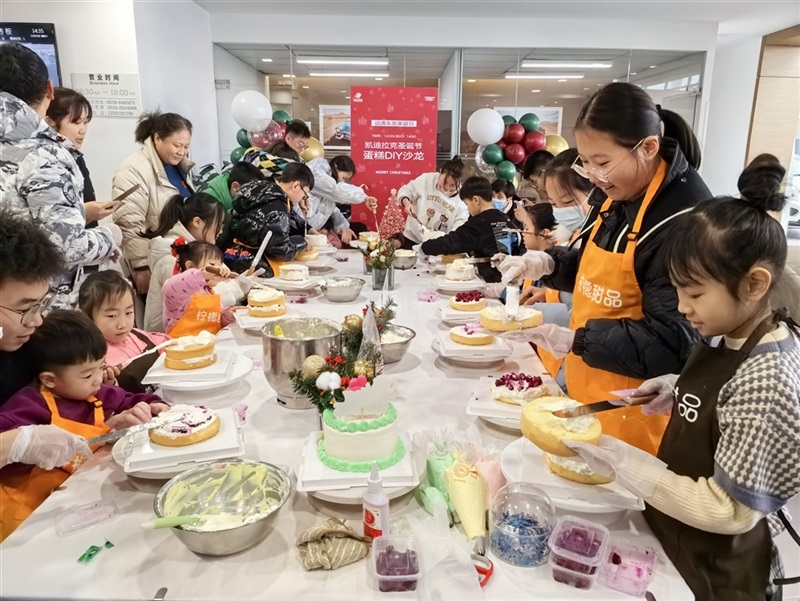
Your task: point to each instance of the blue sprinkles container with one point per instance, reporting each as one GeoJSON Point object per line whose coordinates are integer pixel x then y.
{"type": "Point", "coordinates": [522, 519]}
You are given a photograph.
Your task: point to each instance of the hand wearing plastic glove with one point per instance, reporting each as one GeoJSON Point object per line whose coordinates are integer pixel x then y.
{"type": "Point", "coordinates": [556, 340]}
{"type": "Point", "coordinates": [533, 265]}
{"type": "Point", "coordinates": [664, 389]}
{"type": "Point", "coordinates": [47, 446]}
{"type": "Point", "coordinates": [636, 470]}
{"type": "Point", "coordinates": [494, 290]}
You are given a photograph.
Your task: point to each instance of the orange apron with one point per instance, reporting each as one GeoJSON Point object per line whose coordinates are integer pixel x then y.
{"type": "Point", "coordinates": [21, 494]}
{"type": "Point", "coordinates": [203, 313]}
{"type": "Point", "coordinates": [606, 288]}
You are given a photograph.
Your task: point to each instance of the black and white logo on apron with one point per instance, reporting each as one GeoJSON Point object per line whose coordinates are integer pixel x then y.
{"type": "Point", "coordinates": [688, 406]}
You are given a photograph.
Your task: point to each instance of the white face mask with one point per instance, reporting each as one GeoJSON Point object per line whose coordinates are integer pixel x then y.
{"type": "Point", "coordinates": [570, 217]}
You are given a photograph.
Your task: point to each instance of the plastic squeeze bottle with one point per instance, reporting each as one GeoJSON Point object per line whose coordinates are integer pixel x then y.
{"type": "Point", "coordinates": [376, 506]}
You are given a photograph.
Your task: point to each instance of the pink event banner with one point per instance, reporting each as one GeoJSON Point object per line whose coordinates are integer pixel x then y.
{"type": "Point", "coordinates": [393, 140]}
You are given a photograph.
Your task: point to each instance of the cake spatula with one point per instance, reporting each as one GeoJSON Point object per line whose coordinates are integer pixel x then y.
{"type": "Point", "coordinates": [589, 408]}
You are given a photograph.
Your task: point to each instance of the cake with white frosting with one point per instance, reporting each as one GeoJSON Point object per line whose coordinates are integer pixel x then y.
{"type": "Point", "coordinates": [317, 240]}
{"type": "Point", "coordinates": [575, 469]}
{"type": "Point", "coordinates": [460, 270]}
{"type": "Point", "coordinates": [309, 253]}
{"type": "Point", "coordinates": [472, 300]}
{"type": "Point", "coordinates": [293, 273]}
{"type": "Point", "coordinates": [497, 319]}
{"type": "Point", "coordinates": [187, 425]}
{"type": "Point", "coordinates": [191, 352]}
{"type": "Point", "coordinates": [518, 389]}
{"type": "Point", "coordinates": [266, 302]}
{"type": "Point", "coordinates": [548, 432]}
{"type": "Point", "coordinates": [470, 334]}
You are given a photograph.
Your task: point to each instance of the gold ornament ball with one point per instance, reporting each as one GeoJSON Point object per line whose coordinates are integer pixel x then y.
{"type": "Point", "coordinates": [360, 368]}
{"type": "Point", "coordinates": [352, 323]}
{"type": "Point", "coordinates": [312, 366]}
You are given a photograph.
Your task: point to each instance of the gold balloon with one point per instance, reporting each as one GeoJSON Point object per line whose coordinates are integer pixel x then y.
{"type": "Point", "coordinates": [352, 323]}
{"type": "Point", "coordinates": [312, 366]}
{"type": "Point", "coordinates": [315, 150]}
{"type": "Point", "coordinates": [555, 144]}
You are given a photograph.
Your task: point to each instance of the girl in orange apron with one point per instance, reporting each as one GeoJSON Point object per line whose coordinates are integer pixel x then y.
{"type": "Point", "coordinates": [190, 304]}
{"type": "Point", "coordinates": [22, 493]}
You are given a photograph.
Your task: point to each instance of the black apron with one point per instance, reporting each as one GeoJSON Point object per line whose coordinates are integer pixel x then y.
{"type": "Point", "coordinates": [717, 567]}
{"type": "Point", "coordinates": [131, 377]}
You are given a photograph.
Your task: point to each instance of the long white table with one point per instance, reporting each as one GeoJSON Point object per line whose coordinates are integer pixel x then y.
{"type": "Point", "coordinates": [35, 563]}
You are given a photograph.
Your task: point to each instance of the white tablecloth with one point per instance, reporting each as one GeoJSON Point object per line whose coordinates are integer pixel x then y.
{"type": "Point", "coordinates": [35, 563]}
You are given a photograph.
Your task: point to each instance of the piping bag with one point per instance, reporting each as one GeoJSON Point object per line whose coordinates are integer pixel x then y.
{"type": "Point", "coordinates": [438, 462]}
{"type": "Point", "coordinates": [488, 463]}
{"type": "Point", "coordinates": [468, 494]}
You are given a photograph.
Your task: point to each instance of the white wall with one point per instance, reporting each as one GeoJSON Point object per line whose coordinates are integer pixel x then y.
{"type": "Point", "coordinates": [730, 104]}
{"type": "Point", "coordinates": [241, 77]}
{"type": "Point", "coordinates": [92, 37]}
{"type": "Point", "coordinates": [173, 41]}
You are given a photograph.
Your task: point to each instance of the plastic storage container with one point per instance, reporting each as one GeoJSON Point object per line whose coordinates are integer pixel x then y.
{"type": "Point", "coordinates": [629, 568]}
{"type": "Point", "coordinates": [396, 563]}
{"type": "Point", "coordinates": [83, 517]}
{"type": "Point", "coordinates": [521, 521]}
{"type": "Point", "coordinates": [577, 550]}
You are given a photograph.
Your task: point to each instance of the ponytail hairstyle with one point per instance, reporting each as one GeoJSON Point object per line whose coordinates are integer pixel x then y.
{"type": "Point", "coordinates": [541, 215]}
{"type": "Point", "coordinates": [628, 114]}
{"type": "Point", "coordinates": [160, 124]}
{"type": "Point", "coordinates": [454, 168]}
{"type": "Point", "coordinates": [183, 210]}
{"type": "Point", "coordinates": [197, 252]}
{"type": "Point", "coordinates": [560, 169]}
{"type": "Point", "coordinates": [341, 163]}
{"type": "Point", "coordinates": [724, 237]}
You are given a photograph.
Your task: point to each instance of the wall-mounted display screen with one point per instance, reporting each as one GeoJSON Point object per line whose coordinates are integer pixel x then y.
{"type": "Point", "coordinates": [39, 37]}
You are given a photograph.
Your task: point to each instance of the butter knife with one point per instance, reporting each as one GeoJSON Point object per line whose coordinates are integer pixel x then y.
{"type": "Point", "coordinates": [260, 253]}
{"type": "Point", "coordinates": [117, 434]}
{"type": "Point", "coordinates": [590, 408]}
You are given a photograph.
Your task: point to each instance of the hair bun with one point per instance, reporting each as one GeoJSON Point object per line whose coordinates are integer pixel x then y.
{"type": "Point", "coordinates": [760, 183]}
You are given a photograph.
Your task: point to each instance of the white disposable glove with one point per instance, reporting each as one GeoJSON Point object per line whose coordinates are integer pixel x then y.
{"type": "Point", "coordinates": [494, 290]}
{"type": "Point", "coordinates": [636, 470]}
{"type": "Point", "coordinates": [47, 446]}
{"type": "Point", "coordinates": [116, 233]}
{"type": "Point", "coordinates": [664, 389]}
{"type": "Point", "coordinates": [554, 339]}
{"type": "Point", "coordinates": [533, 265]}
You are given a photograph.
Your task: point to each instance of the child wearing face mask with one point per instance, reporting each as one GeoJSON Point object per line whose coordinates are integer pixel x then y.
{"type": "Point", "coordinates": [504, 198]}
{"type": "Point", "coordinates": [69, 352]}
{"type": "Point", "coordinates": [107, 299]}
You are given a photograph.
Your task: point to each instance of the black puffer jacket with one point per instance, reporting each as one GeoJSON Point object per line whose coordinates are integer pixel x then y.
{"type": "Point", "coordinates": [258, 208]}
{"type": "Point", "coordinates": [660, 342]}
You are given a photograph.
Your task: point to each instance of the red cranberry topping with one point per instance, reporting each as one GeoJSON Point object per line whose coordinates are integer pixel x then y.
{"type": "Point", "coordinates": [473, 296]}
{"type": "Point", "coordinates": [515, 381]}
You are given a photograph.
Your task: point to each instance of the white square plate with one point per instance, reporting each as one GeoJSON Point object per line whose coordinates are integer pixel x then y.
{"type": "Point", "coordinates": [318, 263]}
{"type": "Point", "coordinates": [227, 443]}
{"type": "Point", "coordinates": [456, 317]}
{"type": "Point", "coordinates": [481, 403]}
{"type": "Point", "coordinates": [442, 283]}
{"type": "Point", "coordinates": [248, 322]}
{"type": "Point", "coordinates": [498, 349]}
{"type": "Point", "coordinates": [219, 370]}
{"type": "Point", "coordinates": [287, 286]}
{"type": "Point", "coordinates": [325, 250]}
{"type": "Point", "coordinates": [315, 475]}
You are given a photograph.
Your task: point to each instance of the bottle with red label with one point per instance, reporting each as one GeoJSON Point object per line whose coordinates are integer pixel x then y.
{"type": "Point", "coordinates": [376, 506]}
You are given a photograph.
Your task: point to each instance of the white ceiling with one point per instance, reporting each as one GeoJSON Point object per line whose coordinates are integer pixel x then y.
{"type": "Point", "coordinates": [735, 17]}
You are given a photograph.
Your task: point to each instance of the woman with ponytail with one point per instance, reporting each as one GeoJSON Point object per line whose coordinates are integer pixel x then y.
{"type": "Point", "coordinates": [730, 457]}
{"type": "Point", "coordinates": [198, 217]}
{"type": "Point", "coordinates": [625, 325]}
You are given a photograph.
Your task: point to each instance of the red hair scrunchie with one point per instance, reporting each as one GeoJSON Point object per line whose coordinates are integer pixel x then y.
{"type": "Point", "coordinates": [179, 243]}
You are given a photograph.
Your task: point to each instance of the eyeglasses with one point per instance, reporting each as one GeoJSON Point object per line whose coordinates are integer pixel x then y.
{"type": "Point", "coordinates": [28, 315]}
{"type": "Point", "coordinates": [305, 194]}
{"type": "Point", "coordinates": [600, 175]}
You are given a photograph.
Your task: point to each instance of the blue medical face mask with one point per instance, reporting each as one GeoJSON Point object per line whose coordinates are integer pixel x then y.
{"type": "Point", "coordinates": [499, 203]}
{"type": "Point", "coordinates": [570, 217]}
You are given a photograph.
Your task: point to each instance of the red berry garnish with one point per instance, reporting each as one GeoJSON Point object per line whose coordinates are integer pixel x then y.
{"type": "Point", "coordinates": [515, 381]}
{"type": "Point", "coordinates": [471, 296]}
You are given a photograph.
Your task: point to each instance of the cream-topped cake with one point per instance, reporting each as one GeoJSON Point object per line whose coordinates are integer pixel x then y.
{"type": "Point", "coordinates": [548, 432]}
{"type": "Point", "coordinates": [193, 425]}
{"type": "Point", "coordinates": [307, 254]}
{"type": "Point", "coordinates": [518, 389]}
{"type": "Point", "coordinates": [266, 302]}
{"type": "Point", "coordinates": [317, 240]}
{"type": "Point", "coordinates": [293, 273]}
{"type": "Point", "coordinates": [473, 300]}
{"type": "Point", "coordinates": [471, 334]}
{"type": "Point", "coordinates": [191, 352]}
{"type": "Point", "coordinates": [497, 320]}
{"type": "Point", "coordinates": [460, 270]}
{"type": "Point", "coordinates": [575, 469]}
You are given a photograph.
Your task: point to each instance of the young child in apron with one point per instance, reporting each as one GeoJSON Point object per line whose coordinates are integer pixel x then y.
{"type": "Point", "coordinates": [730, 457]}
{"type": "Point", "coordinates": [190, 303]}
{"type": "Point", "coordinates": [69, 351]}
{"type": "Point", "coordinates": [107, 299]}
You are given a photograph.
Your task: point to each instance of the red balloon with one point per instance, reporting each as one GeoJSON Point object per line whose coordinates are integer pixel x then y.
{"type": "Point", "coordinates": [515, 153]}
{"type": "Point", "coordinates": [502, 144]}
{"type": "Point", "coordinates": [534, 140]}
{"type": "Point", "coordinates": [282, 125]}
{"type": "Point", "coordinates": [514, 133]}
{"type": "Point", "coordinates": [267, 137]}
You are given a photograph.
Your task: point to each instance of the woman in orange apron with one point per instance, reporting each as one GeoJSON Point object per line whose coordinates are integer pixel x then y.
{"type": "Point", "coordinates": [625, 324]}
{"type": "Point", "coordinates": [22, 492]}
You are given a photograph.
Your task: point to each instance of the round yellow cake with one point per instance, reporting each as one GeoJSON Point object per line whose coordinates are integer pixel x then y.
{"type": "Point", "coordinates": [575, 469]}
{"type": "Point", "coordinates": [308, 254]}
{"type": "Point", "coordinates": [472, 300]}
{"type": "Point", "coordinates": [470, 335]}
{"type": "Point", "coordinates": [266, 302]}
{"type": "Point", "coordinates": [495, 319]}
{"type": "Point", "coordinates": [194, 425]}
{"type": "Point", "coordinates": [548, 432]}
{"type": "Point", "coordinates": [191, 352]}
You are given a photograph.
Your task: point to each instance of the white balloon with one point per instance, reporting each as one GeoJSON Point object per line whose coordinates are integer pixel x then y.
{"type": "Point", "coordinates": [485, 126]}
{"type": "Point", "coordinates": [251, 110]}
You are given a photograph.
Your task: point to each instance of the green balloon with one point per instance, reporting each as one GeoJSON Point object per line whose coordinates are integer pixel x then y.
{"type": "Point", "coordinates": [241, 138]}
{"type": "Point", "coordinates": [505, 170]}
{"type": "Point", "coordinates": [508, 119]}
{"type": "Point", "coordinates": [529, 121]}
{"type": "Point", "coordinates": [493, 154]}
{"type": "Point", "coordinates": [237, 154]}
{"type": "Point", "coordinates": [281, 115]}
